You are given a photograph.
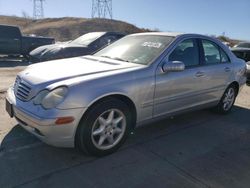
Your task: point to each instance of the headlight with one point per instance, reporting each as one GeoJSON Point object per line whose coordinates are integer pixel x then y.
{"type": "Point", "coordinates": [38, 99]}
{"type": "Point", "coordinates": [50, 99]}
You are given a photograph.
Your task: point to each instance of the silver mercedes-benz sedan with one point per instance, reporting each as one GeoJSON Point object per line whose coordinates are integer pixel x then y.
{"type": "Point", "coordinates": [93, 102]}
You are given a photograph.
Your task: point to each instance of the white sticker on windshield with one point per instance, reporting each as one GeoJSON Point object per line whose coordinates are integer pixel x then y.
{"type": "Point", "coordinates": [152, 44]}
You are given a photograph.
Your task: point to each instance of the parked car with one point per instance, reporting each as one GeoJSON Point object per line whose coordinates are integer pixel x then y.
{"type": "Point", "coordinates": [244, 53]}
{"type": "Point", "coordinates": [84, 45]}
{"type": "Point", "coordinates": [93, 102]}
{"type": "Point", "coordinates": [242, 45]}
{"type": "Point", "coordinates": [13, 43]}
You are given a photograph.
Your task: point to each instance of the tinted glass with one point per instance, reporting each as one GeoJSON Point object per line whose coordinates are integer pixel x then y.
{"type": "Point", "coordinates": [242, 55]}
{"type": "Point", "coordinates": [248, 56]}
{"type": "Point", "coordinates": [239, 54]}
{"type": "Point", "coordinates": [141, 49]}
{"type": "Point", "coordinates": [9, 32]}
{"type": "Point", "coordinates": [106, 40]}
{"type": "Point", "coordinates": [187, 52]}
{"type": "Point", "coordinates": [211, 52]}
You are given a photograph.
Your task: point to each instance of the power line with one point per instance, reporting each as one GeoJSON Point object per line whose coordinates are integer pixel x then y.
{"type": "Point", "coordinates": [102, 8]}
{"type": "Point", "coordinates": [38, 10]}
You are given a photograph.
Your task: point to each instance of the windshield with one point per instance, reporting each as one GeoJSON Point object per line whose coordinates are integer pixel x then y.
{"type": "Point", "coordinates": [243, 45]}
{"type": "Point", "coordinates": [86, 39]}
{"type": "Point", "coordinates": [140, 49]}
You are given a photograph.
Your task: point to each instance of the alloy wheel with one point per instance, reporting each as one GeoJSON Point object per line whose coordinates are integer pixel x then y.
{"type": "Point", "coordinates": [229, 99]}
{"type": "Point", "coordinates": [108, 129]}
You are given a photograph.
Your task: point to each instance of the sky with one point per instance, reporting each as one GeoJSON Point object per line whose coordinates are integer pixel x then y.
{"type": "Point", "coordinates": [211, 17]}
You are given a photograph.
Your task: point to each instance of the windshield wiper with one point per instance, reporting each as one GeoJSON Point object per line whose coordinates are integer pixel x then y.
{"type": "Point", "coordinates": [115, 58]}
{"type": "Point", "coordinates": [120, 59]}
{"type": "Point", "coordinates": [106, 56]}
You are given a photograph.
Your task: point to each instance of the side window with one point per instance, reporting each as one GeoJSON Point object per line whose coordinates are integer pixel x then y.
{"type": "Point", "coordinates": [187, 52]}
{"type": "Point", "coordinates": [211, 52]}
{"type": "Point", "coordinates": [224, 57]}
{"type": "Point", "coordinates": [106, 40]}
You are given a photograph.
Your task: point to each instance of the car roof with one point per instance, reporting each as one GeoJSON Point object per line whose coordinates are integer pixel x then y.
{"type": "Point", "coordinates": [171, 34]}
{"type": "Point", "coordinates": [108, 32]}
{"type": "Point", "coordinates": [2, 25]}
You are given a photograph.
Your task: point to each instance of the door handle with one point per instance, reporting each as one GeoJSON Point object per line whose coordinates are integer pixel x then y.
{"type": "Point", "coordinates": [227, 69]}
{"type": "Point", "coordinates": [200, 74]}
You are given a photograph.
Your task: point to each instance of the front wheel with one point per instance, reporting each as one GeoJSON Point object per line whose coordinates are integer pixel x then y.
{"type": "Point", "coordinates": [227, 101]}
{"type": "Point", "coordinates": [104, 128]}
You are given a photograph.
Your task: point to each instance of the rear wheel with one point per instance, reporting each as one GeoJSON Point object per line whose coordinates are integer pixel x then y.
{"type": "Point", "coordinates": [104, 128]}
{"type": "Point", "coordinates": [227, 101]}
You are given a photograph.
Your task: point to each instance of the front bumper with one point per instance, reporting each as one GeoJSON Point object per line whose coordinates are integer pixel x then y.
{"type": "Point", "coordinates": [37, 121]}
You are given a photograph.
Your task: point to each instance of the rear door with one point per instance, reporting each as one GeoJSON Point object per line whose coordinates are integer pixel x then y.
{"type": "Point", "coordinates": [217, 68]}
{"type": "Point", "coordinates": [10, 40]}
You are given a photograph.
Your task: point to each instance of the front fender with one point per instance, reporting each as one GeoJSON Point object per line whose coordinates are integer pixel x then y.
{"type": "Point", "coordinates": [139, 88]}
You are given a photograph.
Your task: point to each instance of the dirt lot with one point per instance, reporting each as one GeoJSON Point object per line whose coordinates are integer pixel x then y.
{"type": "Point", "coordinates": [199, 149]}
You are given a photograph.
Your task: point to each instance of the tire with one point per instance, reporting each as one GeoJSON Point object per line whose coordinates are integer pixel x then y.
{"type": "Point", "coordinates": [104, 128]}
{"type": "Point", "coordinates": [227, 101]}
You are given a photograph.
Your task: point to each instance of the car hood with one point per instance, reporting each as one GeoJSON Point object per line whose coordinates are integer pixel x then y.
{"type": "Point", "coordinates": [58, 70]}
{"type": "Point", "coordinates": [49, 50]}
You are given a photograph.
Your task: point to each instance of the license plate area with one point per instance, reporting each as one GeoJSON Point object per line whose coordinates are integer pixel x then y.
{"type": "Point", "coordinates": [9, 108]}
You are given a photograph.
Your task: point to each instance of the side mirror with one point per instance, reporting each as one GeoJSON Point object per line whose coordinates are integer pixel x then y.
{"type": "Point", "coordinates": [173, 66]}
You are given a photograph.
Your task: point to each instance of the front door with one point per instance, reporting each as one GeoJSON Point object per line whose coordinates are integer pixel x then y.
{"type": "Point", "coordinates": [175, 91]}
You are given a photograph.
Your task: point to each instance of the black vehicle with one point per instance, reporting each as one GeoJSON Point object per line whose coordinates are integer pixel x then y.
{"type": "Point", "coordinates": [244, 53]}
{"type": "Point", "coordinates": [242, 45]}
{"type": "Point", "coordinates": [13, 43]}
{"type": "Point", "coordinates": [84, 45]}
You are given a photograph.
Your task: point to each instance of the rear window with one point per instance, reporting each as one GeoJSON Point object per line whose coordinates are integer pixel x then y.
{"type": "Point", "coordinates": [9, 32]}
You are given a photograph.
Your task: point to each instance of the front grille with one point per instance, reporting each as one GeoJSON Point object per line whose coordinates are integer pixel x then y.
{"type": "Point", "coordinates": [22, 89]}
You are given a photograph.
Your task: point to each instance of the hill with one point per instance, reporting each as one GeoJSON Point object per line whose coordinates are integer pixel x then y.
{"type": "Point", "coordinates": [67, 28]}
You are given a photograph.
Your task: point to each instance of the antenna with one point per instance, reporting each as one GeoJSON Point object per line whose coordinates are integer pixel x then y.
{"type": "Point", "coordinates": [38, 11]}
{"type": "Point", "coordinates": [102, 8]}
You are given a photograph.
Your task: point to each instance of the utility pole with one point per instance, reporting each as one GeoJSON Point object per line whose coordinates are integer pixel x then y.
{"type": "Point", "coordinates": [102, 8]}
{"type": "Point", "coordinates": [38, 11]}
